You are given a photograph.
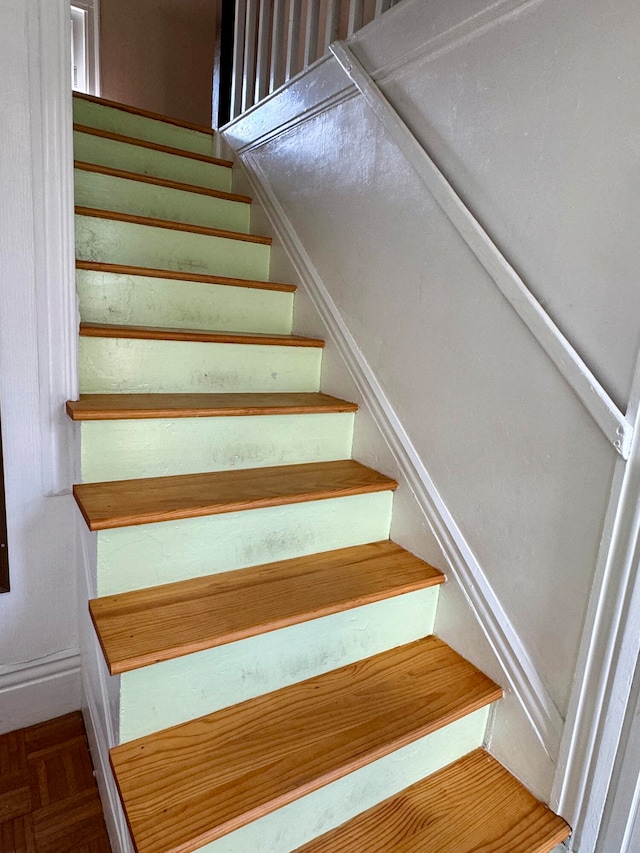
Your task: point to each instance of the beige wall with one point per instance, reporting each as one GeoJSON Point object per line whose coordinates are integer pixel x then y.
{"type": "Point", "coordinates": [158, 55]}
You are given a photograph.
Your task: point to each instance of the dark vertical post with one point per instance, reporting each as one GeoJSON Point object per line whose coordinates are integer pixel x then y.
{"type": "Point", "coordinates": [4, 547]}
{"type": "Point", "coordinates": [223, 62]}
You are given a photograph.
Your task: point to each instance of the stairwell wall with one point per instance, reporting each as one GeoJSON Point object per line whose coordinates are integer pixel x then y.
{"type": "Point", "coordinates": [39, 656]}
{"type": "Point", "coordinates": [528, 108]}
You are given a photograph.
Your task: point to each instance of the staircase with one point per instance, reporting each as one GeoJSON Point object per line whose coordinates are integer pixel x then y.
{"type": "Point", "coordinates": [280, 688]}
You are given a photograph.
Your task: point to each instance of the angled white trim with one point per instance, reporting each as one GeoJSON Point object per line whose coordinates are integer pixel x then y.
{"type": "Point", "coordinates": [519, 670]}
{"type": "Point", "coordinates": [52, 145]}
{"type": "Point", "coordinates": [577, 374]}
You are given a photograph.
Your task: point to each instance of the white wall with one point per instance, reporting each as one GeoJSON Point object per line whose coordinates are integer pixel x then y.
{"type": "Point", "coordinates": [39, 662]}
{"type": "Point", "coordinates": [532, 116]}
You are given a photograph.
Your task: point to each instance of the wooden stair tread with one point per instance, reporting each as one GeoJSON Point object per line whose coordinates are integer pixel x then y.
{"type": "Point", "coordinates": [473, 804]}
{"type": "Point", "coordinates": [122, 503]}
{"type": "Point", "coordinates": [155, 146]}
{"type": "Point", "coordinates": [171, 225]}
{"type": "Point", "coordinates": [138, 111]}
{"type": "Point", "coordinates": [160, 182]}
{"type": "Point", "coordinates": [188, 785]}
{"type": "Point", "coordinates": [102, 407]}
{"type": "Point", "coordinates": [167, 333]}
{"type": "Point", "coordinates": [180, 275]}
{"type": "Point", "coordinates": [151, 625]}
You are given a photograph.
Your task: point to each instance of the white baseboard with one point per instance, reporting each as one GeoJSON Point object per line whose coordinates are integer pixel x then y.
{"type": "Point", "coordinates": [39, 690]}
{"type": "Point", "coordinates": [99, 746]}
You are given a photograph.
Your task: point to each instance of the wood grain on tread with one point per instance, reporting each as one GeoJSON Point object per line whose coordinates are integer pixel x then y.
{"type": "Point", "coordinates": [471, 805]}
{"type": "Point", "coordinates": [190, 784]}
{"type": "Point", "coordinates": [171, 225]}
{"type": "Point", "coordinates": [106, 407]}
{"type": "Point", "coordinates": [161, 333]}
{"type": "Point", "coordinates": [151, 625]}
{"type": "Point", "coordinates": [138, 111]}
{"type": "Point", "coordinates": [160, 182]}
{"type": "Point", "coordinates": [122, 503]}
{"type": "Point", "coordinates": [156, 146]}
{"type": "Point", "coordinates": [180, 275]}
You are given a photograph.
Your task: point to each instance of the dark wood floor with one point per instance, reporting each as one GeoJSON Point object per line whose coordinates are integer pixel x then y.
{"type": "Point", "coordinates": [49, 800]}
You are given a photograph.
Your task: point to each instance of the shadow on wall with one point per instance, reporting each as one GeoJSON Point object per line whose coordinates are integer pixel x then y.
{"type": "Point", "coordinates": [158, 55]}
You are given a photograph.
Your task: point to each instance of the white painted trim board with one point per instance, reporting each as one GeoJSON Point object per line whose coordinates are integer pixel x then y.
{"type": "Point", "coordinates": [57, 313]}
{"type": "Point", "coordinates": [34, 691]}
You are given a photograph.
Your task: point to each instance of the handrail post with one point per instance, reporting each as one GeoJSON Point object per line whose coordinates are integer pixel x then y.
{"type": "Point", "coordinates": [238, 58]}
{"type": "Point", "coordinates": [356, 16]}
{"type": "Point", "coordinates": [331, 23]}
{"type": "Point", "coordinates": [293, 38]}
{"type": "Point", "coordinates": [249, 70]}
{"type": "Point", "coordinates": [276, 66]}
{"type": "Point", "coordinates": [311, 32]}
{"type": "Point", "coordinates": [262, 58]}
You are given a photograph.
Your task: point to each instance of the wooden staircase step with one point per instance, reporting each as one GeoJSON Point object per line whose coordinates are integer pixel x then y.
{"type": "Point", "coordinates": [147, 333]}
{"type": "Point", "coordinates": [173, 225]}
{"type": "Point", "coordinates": [180, 275]}
{"type": "Point", "coordinates": [105, 102]}
{"type": "Point", "coordinates": [122, 503]}
{"type": "Point", "coordinates": [156, 146]}
{"type": "Point", "coordinates": [473, 804]}
{"type": "Point", "coordinates": [160, 182]}
{"type": "Point", "coordinates": [109, 407]}
{"type": "Point", "coordinates": [185, 786]}
{"type": "Point", "coordinates": [151, 625]}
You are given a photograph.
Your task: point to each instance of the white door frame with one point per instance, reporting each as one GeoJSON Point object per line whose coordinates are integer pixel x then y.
{"type": "Point", "coordinates": [91, 8]}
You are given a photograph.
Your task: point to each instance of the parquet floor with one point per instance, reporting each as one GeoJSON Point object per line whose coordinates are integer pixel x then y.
{"type": "Point", "coordinates": [49, 799]}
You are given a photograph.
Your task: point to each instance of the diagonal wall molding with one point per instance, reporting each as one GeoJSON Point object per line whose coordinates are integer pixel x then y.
{"type": "Point", "coordinates": [567, 360]}
{"type": "Point", "coordinates": [518, 668]}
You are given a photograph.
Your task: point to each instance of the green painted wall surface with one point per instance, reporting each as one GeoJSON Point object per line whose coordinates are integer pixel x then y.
{"type": "Point", "coordinates": [288, 828]}
{"type": "Point", "coordinates": [147, 301]}
{"type": "Point", "coordinates": [113, 241]}
{"type": "Point", "coordinates": [165, 694]}
{"type": "Point", "coordinates": [120, 450]}
{"type": "Point", "coordinates": [152, 554]}
{"type": "Point", "coordinates": [140, 127]}
{"type": "Point", "coordinates": [119, 364]}
{"type": "Point", "coordinates": [134, 158]}
{"type": "Point", "coordinates": [108, 192]}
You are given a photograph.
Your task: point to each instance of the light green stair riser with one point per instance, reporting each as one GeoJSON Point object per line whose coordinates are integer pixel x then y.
{"type": "Point", "coordinates": [148, 161]}
{"type": "Point", "coordinates": [126, 449]}
{"type": "Point", "coordinates": [147, 301]}
{"type": "Point", "coordinates": [140, 127]}
{"type": "Point", "coordinates": [113, 241]}
{"type": "Point", "coordinates": [151, 554]}
{"type": "Point", "coordinates": [113, 365]}
{"type": "Point", "coordinates": [297, 823]}
{"type": "Point", "coordinates": [108, 192]}
{"type": "Point", "coordinates": [165, 694]}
